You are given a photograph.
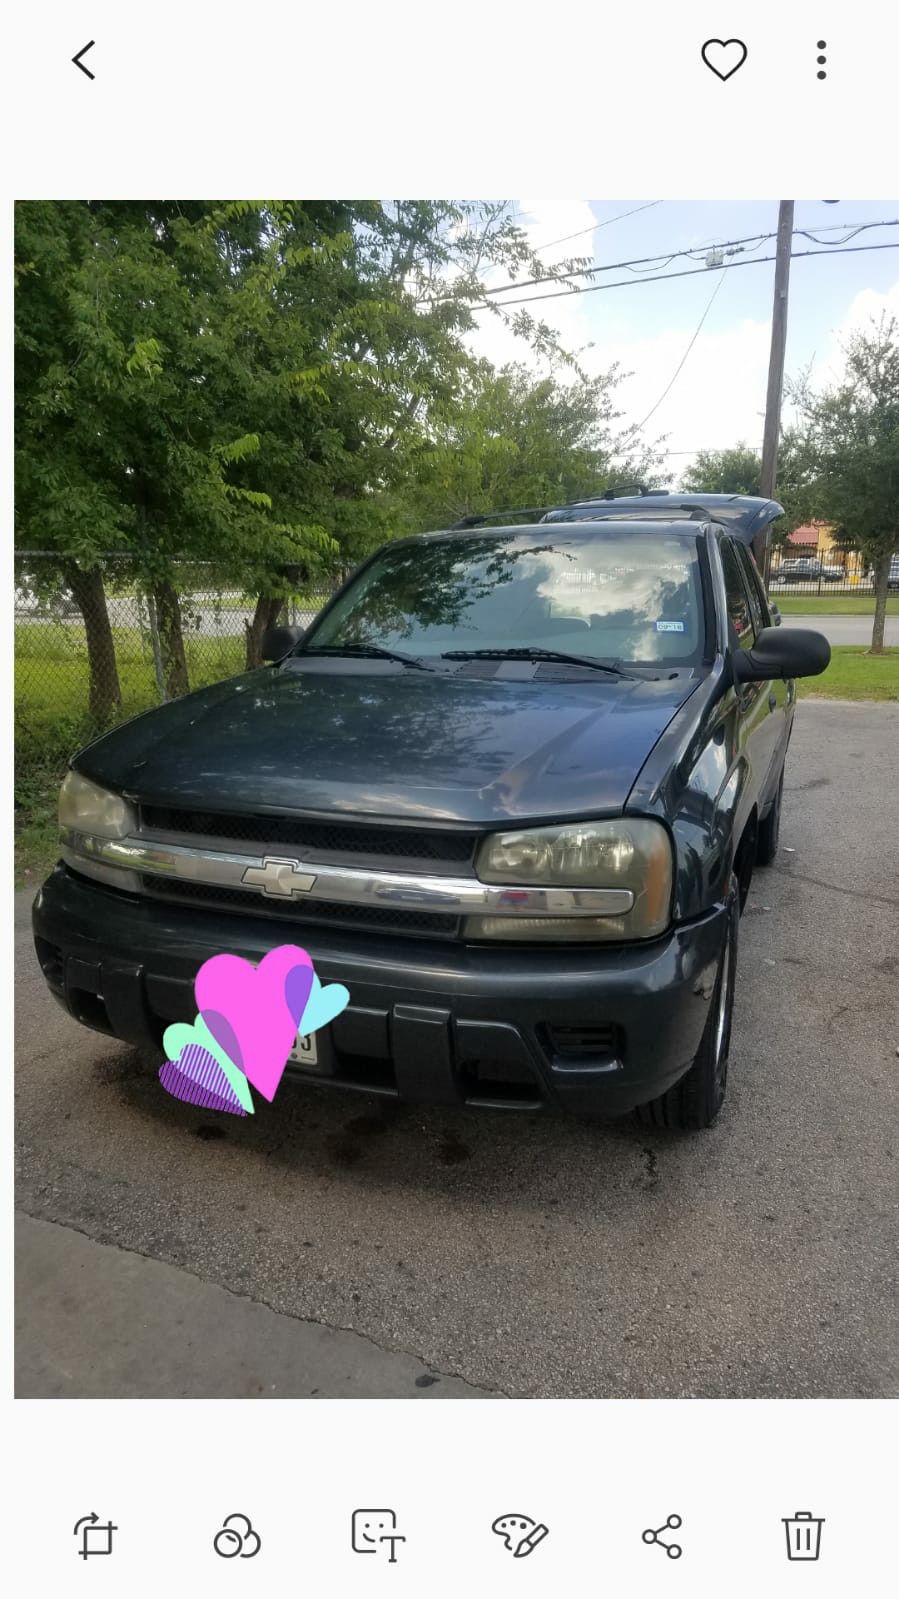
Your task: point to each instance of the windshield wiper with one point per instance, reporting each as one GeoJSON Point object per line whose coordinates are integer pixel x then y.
{"type": "Point", "coordinates": [373, 651]}
{"type": "Point", "coordinates": [528, 652]}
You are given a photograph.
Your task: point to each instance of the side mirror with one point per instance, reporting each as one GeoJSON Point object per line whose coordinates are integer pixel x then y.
{"type": "Point", "coordinates": [782, 652]}
{"type": "Point", "coordinates": [279, 641]}
{"type": "Point", "coordinates": [776, 617]}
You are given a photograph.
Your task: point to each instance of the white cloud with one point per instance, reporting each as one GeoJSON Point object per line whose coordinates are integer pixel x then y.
{"type": "Point", "coordinates": [557, 228]}
{"type": "Point", "coordinates": [868, 306]}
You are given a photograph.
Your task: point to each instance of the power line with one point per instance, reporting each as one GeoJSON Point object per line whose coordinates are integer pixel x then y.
{"type": "Point", "coordinates": [660, 258]}
{"type": "Point", "coordinates": [593, 226]}
{"type": "Point", "coordinates": [668, 277]}
{"type": "Point", "coordinates": [694, 253]}
{"type": "Point", "coordinates": [830, 227]}
{"type": "Point", "coordinates": [683, 360]}
{"type": "Point", "coordinates": [538, 248]}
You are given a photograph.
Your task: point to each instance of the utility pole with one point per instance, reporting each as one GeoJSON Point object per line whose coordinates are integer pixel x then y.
{"type": "Point", "coordinates": [775, 369]}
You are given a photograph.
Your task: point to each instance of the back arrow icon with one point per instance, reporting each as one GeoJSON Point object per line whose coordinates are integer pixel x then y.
{"type": "Point", "coordinates": [78, 61]}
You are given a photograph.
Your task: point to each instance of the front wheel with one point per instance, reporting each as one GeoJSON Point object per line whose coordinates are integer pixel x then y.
{"type": "Point", "coordinates": [697, 1097]}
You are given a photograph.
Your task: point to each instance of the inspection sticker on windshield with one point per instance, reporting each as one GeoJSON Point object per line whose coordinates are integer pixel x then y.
{"type": "Point", "coordinates": [669, 627]}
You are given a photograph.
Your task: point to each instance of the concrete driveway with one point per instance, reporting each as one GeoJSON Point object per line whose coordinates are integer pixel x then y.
{"type": "Point", "coordinates": [334, 1245]}
{"type": "Point", "coordinates": [846, 629]}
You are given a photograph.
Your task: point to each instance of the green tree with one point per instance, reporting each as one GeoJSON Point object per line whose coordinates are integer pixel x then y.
{"type": "Point", "coordinates": [237, 382]}
{"type": "Point", "coordinates": [734, 471]}
{"type": "Point", "coordinates": [516, 439]}
{"type": "Point", "coordinates": [131, 410]}
{"type": "Point", "coordinates": [847, 452]}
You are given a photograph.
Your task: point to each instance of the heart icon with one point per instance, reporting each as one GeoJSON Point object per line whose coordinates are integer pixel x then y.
{"type": "Point", "coordinates": [254, 1012]}
{"type": "Point", "coordinates": [724, 56]}
{"type": "Point", "coordinates": [323, 1005]}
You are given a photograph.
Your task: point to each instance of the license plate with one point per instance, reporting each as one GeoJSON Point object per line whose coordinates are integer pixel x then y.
{"type": "Point", "coordinates": [304, 1052]}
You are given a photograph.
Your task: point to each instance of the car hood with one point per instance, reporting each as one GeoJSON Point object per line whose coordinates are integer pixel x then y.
{"type": "Point", "coordinates": [393, 742]}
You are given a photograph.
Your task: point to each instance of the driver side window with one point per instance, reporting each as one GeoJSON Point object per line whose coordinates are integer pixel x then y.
{"type": "Point", "coordinates": [739, 613]}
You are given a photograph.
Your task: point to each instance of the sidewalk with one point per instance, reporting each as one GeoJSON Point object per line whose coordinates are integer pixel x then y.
{"type": "Point", "coordinates": [97, 1322]}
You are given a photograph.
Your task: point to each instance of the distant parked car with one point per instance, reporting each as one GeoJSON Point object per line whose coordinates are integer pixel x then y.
{"type": "Point", "coordinates": [808, 569]}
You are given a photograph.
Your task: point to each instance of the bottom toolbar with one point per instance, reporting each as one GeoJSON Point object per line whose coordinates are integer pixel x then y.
{"type": "Point", "coordinates": [348, 1497]}
{"type": "Point", "coordinates": [376, 1534]}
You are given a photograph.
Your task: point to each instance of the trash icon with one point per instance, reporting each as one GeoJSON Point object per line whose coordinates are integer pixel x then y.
{"type": "Point", "coordinates": [803, 1535]}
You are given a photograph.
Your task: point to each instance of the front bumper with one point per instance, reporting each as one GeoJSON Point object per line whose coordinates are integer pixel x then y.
{"type": "Point", "coordinates": [586, 1028]}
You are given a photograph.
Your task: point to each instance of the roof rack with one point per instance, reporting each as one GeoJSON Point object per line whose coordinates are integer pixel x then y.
{"type": "Point", "coordinates": [613, 492]}
{"type": "Point", "coordinates": [619, 491]}
{"type": "Point", "coordinates": [477, 519]}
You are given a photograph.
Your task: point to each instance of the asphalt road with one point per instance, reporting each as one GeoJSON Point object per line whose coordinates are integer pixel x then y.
{"type": "Point", "coordinates": [206, 621]}
{"type": "Point", "coordinates": [516, 1255]}
{"type": "Point", "coordinates": [846, 629]}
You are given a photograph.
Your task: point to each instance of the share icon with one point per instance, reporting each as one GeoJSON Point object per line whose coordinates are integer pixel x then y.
{"type": "Point", "coordinates": [654, 1535]}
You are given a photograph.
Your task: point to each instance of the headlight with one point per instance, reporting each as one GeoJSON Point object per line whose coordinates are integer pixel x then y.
{"type": "Point", "coordinates": [84, 807]}
{"type": "Point", "coordinates": [88, 816]}
{"type": "Point", "coordinates": [633, 853]}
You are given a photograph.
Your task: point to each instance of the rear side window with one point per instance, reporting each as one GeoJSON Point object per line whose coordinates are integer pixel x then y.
{"type": "Point", "coordinates": [757, 599]}
{"type": "Point", "coordinates": [739, 613]}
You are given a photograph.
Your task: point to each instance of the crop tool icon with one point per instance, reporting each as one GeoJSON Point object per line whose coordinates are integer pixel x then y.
{"type": "Point", "coordinates": [96, 1535]}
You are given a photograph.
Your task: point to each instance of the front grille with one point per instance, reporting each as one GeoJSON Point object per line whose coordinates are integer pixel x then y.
{"type": "Point", "coordinates": [335, 838]}
{"type": "Point", "coordinates": [430, 924]}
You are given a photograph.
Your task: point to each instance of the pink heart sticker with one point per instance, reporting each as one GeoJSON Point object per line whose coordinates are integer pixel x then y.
{"type": "Point", "coordinates": [254, 1012]}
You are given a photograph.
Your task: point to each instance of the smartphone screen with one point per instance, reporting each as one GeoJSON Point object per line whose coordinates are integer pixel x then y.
{"type": "Point", "coordinates": [454, 711]}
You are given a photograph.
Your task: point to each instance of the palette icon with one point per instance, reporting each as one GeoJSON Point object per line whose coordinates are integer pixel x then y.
{"type": "Point", "coordinates": [248, 1019]}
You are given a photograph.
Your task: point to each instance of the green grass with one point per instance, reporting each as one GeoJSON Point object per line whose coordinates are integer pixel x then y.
{"type": "Point", "coordinates": [831, 604]}
{"type": "Point", "coordinates": [51, 671]}
{"type": "Point", "coordinates": [855, 675]}
{"type": "Point", "coordinates": [51, 720]}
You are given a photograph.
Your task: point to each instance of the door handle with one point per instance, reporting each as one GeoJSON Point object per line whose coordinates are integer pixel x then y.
{"type": "Point", "coordinates": [772, 701]}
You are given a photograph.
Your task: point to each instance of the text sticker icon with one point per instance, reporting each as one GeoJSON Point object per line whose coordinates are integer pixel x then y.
{"type": "Point", "coordinates": [374, 1532]}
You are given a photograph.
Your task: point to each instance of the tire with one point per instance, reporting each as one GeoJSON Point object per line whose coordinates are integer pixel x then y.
{"type": "Point", "coordinates": [696, 1099]}
{"type": "Point", "coordinates": [769, 829]}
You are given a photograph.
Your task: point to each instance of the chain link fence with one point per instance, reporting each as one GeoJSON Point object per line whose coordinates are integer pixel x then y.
{"type": "Point", "coordinates": [144, 649]}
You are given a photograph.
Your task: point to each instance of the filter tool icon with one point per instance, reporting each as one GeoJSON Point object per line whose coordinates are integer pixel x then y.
{"type": "Point", "coordinates": [803, 1535]}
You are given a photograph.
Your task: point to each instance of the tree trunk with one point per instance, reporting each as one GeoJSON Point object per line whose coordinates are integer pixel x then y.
{"type": "Point", "coordinates": [171, 640]}
{"type": "Point", "coordinates": [881, 589]}
{"type": "Point", "coordinates": [104, 695]}
{"type": "Point", "coordinates": [268, 609]}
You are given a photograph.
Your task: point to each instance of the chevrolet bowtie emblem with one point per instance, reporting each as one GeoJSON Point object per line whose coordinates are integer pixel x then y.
{"type": "Point", "coordinates": [280, 877]}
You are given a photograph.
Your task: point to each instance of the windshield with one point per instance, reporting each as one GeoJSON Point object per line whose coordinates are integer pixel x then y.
{"type": "Point", "coordinates": [610, 595]}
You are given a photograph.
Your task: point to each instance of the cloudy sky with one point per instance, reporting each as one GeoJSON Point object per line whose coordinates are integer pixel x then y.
{"type": "Point", "coordinates": [718, 399]}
